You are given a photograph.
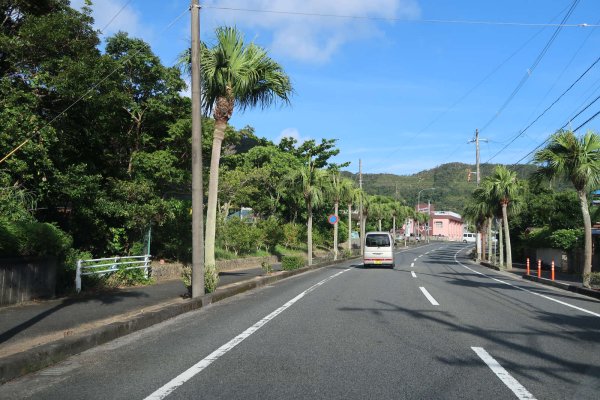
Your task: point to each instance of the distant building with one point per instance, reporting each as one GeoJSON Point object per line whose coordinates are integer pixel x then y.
{"type": "Point", "coordinates": [447, 224]}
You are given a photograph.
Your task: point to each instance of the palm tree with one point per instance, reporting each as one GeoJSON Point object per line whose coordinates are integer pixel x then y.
{"type": "Point", "coordinates": [503, 187]}
{"type": "Point", "coordinates": [479, 212]}
{"type": "Point", "coordinates": [234, 75]}
{"type": "Point", "coordinates": [578, 160]}
{"type": "Point", "coordinates": [340, 190]}
{"type": "Point", "coordinates": [311, 182]}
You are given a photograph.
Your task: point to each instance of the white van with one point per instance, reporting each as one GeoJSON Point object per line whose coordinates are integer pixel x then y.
{"type": "Point", "coordinates": [379, 249]}
{"type": "Point", "coordinates": [469, 237]}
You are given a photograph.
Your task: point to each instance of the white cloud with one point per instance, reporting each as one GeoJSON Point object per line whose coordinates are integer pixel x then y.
{"type": "Point", "coordinates": [110, 17]}
{"type": "Point", "coordinates": [308, 37]}
{"type": "Point", "coordinates": [291, 133]}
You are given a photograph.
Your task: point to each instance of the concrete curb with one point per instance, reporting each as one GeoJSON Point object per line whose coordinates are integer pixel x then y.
{"type": "Point", "coordinates": [42, 356]}
{"type": "Point", "coordinates": [564, 286]}
{"type": "Point", "coordinates": [550, 282]}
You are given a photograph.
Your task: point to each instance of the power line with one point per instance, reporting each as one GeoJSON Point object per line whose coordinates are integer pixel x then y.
{"type": "Point", "coordinates": [548, 108]}
{"type": "Point", "coordinates": [562, 127]}
{"type": "Point", "coordinates": [427, 21]}
{"type": "Point", "coordinates": [532, 68]}
{"type": "Point", "coordinates": [468, 92]}
{"type": "Point", "coordinates": [90, 90]}
{"type": "Point", "coordinates": [588, 120]}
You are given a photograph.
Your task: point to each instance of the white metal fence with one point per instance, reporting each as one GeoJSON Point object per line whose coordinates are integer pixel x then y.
{"type": "Point", "coordinates": [100, 266]}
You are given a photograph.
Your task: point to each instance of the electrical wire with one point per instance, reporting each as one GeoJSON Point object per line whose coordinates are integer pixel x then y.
{"type": "Point", "coordinates": [544, 112]}
{"type": "Point", "coordinates": [531, 69]}
{"type": "Point", "coordinates": [122, 62]}
{"type": "Point", "coordinates": [562, 127]}
{"type": "Point", "coordinates": [115, 16]}
{"type": "Point", "coordinates": [427, 21]}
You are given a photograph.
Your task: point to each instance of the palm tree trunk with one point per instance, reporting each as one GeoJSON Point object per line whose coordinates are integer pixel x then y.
{"type": "Point", "coordinates": [587, 227]}
{"type": "Point", "coordinates": [349, 227]}
{"type": "Point", "coordinates": [309, 233]}
{"type": "Point", "coordinates": [213, 187]}
{"type": "Point", "coordinates": [507, 236]}
{"type": "Point", "coordinates": [489, 238]}
{"type": "Point", "coordinates": [500, 242]}
{"type": "Point", "coordinates": [394, 229]}
{"type": "Point", "coordinates": [379, 225]}
{"type": "Point", "coordinates": [335, 232]}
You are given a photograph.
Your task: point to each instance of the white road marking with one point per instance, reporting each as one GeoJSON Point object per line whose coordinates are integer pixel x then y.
{"type": "Point", "coordinates": [429, 297]}
{"type": "Point", "coordinates": [413, 274]}
{"type": "Point", "coordinates": [179, 380]}
{"type": "Point", "coordinates": [416, 259]}
{"type": "Point", "coordinates": [504, 376]}
{"type": "Point", "coordinates": [526, 290]}
{"type": "Point", "coordinates": [412, 265]}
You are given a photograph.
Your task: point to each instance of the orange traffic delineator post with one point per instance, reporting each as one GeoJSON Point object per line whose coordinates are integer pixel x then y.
{"type": "Point", "coordinates": [527, 265]}
{"type": "Point", "coordinates": [539, 268]}
{"type": "Point", "coordinates": [552, 269]}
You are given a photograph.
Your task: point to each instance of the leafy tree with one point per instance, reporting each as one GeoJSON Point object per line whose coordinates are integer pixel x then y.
{"type": "Point", "coordinates": [233, 74]}
{"type": "Point", "coordinates": [577, 159]}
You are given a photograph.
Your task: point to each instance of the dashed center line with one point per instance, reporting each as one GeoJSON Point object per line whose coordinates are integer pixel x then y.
{"type": "Point", "coordinates": [412, 265]}
{"type": "Point", "coordinates": [413, 274]}
{"type": "Point", "coordinates": [504, 376]}
{"type": "Point", "coordinates": [429, 297]}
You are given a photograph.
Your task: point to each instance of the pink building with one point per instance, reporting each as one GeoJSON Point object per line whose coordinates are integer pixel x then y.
{"type": "Point", "coordinates": [447, 224]}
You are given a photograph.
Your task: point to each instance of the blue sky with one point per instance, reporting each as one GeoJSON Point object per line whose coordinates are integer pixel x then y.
{"type": "Point", "coordinates": [404, 86]}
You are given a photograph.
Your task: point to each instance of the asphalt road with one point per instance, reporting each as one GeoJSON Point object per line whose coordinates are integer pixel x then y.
{"type": "Point", "coordinates": [434, 327]}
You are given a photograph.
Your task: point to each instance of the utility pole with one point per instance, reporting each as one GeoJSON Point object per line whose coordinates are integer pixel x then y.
{"type": "Point", "coordinates": [476, 141]}
{"type": "Point", "coordinates": [360, 209]}
{"type": "Point", "coordinates": [197, 195]}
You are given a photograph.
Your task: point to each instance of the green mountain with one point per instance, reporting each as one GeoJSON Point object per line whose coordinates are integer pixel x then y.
{"type": "Point", "coordinates": [449, 180]}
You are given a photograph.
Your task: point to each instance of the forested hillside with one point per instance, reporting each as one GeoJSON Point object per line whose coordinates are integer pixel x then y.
{"type": "Point", "coordinates": [452, 189]}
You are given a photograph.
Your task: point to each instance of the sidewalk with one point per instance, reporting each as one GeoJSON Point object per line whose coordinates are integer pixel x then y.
{"type": "Point", "coordinates": [562, 280]}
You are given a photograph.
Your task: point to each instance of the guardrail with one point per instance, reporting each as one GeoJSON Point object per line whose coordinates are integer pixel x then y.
{"type": "Point", "coordinates": [100, 266]}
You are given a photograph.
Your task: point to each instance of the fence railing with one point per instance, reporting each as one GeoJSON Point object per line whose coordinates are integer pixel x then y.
{"type": "Point", "coordinates": [101, 266]}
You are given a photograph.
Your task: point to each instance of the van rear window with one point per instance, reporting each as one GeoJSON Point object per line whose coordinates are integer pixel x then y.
{"type": "Point", "coordinates": [377, 241]}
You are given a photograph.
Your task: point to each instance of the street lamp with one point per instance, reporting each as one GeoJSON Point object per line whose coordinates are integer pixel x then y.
{"type": "Point", "coordinates": [419, 202]}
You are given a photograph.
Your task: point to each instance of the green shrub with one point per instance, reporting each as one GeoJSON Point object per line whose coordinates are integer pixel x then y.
{"type": "Point", "coordinates": [23, 238]}
{"type": "Point", "coordinates": [566, 239]}
{"type": "Point", "coordinates": [292, 235]}
{"type": "Point", "coordinates": [594, 279]}
{"type": "Point", "coordinates": [289, 263]}
{"type": "Point", "coordinates": [271, 232]}
{"type": "Point", "coordinates": [266, 267]}
{"type": "Point", "coordinates": [345, 253]}
{"type": "Point", "coordinates": [537, 237]}
{"type": "Point", "coordinates": [211, 278]}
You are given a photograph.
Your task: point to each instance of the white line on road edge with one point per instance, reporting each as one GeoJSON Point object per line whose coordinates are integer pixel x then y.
{"type": "Point", "coordinates": [429, 297]}
{"type": "Point", "coordinates": [504, 376]}
{"type": "Point", "coordinates": [526, 290]}
{"type": "Point", "coordinates": [174, 383]}
{"type": "Point", "coordinates": [413, 274]}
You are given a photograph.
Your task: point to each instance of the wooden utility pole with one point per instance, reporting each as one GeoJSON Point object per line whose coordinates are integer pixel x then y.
{"type": "Point", "coordinates": [197, 195]}
{"type": "Point", "coordinates": [360, 210]}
